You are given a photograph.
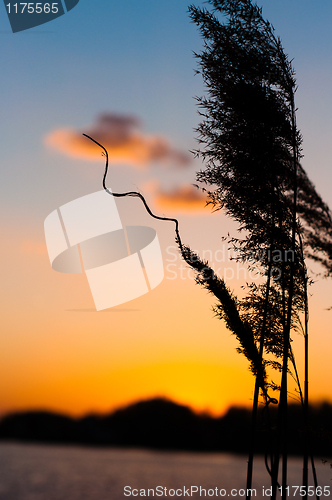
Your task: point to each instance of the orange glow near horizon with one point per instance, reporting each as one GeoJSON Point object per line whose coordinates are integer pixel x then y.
{"type": "Point", "coordinates": [60, 354]}
{"type": "Point", "coordinates": [201, 387]}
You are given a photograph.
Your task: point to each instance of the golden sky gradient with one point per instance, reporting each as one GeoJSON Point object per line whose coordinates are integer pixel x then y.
{"type": "Point", "coordinates": [60, 354]}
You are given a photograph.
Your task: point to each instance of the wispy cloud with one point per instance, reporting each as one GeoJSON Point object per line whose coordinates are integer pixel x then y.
{"type": "Point", "coordinates": [121, 135]}
{"type": "Point", "coordinates": [184, 198]}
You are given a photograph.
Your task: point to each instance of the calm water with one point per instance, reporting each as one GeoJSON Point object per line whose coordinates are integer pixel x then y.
{"type": "Point", "coordinates": [37, 472]}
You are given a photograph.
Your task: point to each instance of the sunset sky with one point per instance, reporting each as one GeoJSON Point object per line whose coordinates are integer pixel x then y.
{"type": "Point", "coordinates": [124, 72]}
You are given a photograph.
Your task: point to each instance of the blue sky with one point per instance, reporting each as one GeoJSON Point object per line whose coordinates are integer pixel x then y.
{"type": "Point", "coordinates": [136, 57]}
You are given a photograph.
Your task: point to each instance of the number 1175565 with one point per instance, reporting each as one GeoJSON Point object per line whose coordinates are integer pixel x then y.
{"type": "Point", "coordinates": [33, 8]}
{"type": "Point", "coordinates": [310, 491]}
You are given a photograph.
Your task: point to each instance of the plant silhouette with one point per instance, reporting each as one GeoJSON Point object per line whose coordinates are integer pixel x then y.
{"type": "Point", "coordinates": [251, 147]}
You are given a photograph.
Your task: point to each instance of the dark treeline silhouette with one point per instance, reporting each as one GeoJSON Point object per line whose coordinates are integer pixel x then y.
{"type": "Point", "coordinates": [162, 424]}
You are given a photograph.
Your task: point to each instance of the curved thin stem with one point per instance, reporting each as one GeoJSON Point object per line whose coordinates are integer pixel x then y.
{"type": "Point", "coordinates": [137, 195]}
